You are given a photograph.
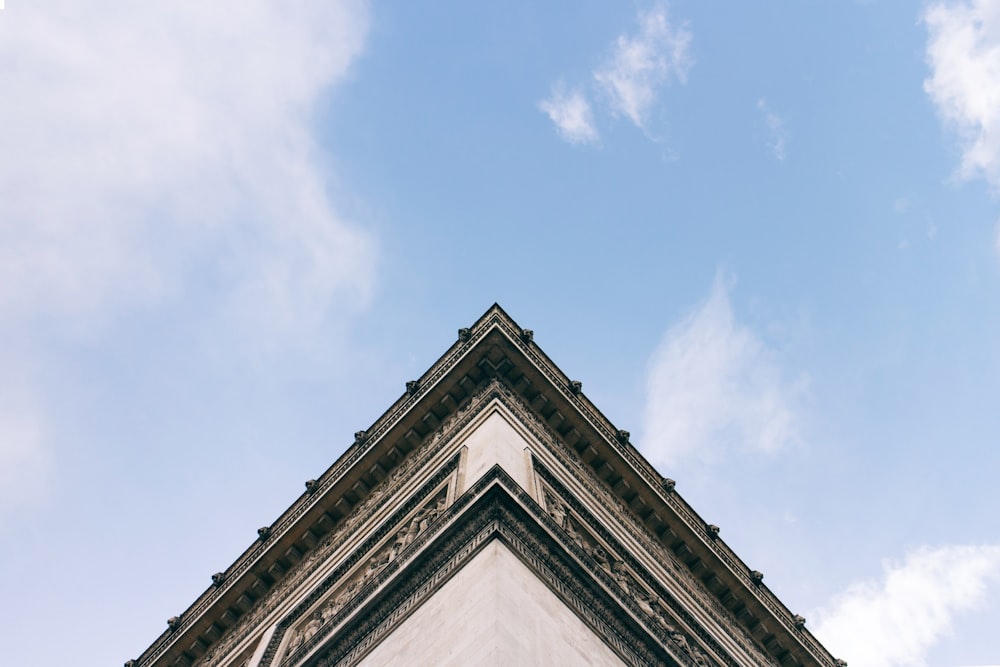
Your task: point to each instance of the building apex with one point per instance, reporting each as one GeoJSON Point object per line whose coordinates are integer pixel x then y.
{"type": "Point", "coordinates": [494, 381]}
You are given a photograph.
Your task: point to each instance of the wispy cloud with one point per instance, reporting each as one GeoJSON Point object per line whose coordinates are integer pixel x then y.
{"type": "Point", "coordinates": [24, 456]}
{"type": "Point", "coordinates": [162, 152]}
{"type": "Point", "coordinates": [777, 133]}
{"type": "Point", "coordinates": [963, 53]}
{"type": "Point", "coordinates": [894, 621]}
{"type": "Point", "coordinates": [630, 78]}
{"type": "Point", "coordinates": [714, 385]}
{"type": "Point", "coordinates": [147, 146]}
{"type": "Point", "coordinates": [641, 64]}
{"type": "Point", "coordinates": [570, 111]}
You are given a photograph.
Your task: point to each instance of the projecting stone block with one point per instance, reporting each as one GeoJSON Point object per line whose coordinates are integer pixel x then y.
{"type": "Point", "coordinates": [496, 442]}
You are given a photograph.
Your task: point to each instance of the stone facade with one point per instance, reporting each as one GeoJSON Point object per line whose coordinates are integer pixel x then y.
{"type": "Point", "coordinates": [492, 516]}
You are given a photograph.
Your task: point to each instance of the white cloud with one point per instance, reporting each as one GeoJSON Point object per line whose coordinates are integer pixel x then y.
{"type": "Point", "coordinates": [153, 147]}
{"type": "Point", "coordinates": [714, 385]}
{"type": "Point", "coordinates": [571, 113]}
{"type": "Point", "coordinates": [24, 457]}
{"type": "Point", "coordinates": [639, 65]}
{"type": "Point", "coordinates": [777, 133]}
{"type": "Point", "coordinates": [162, 151]}
{"type": "Point", "coordinates": [963, 52]}
{"type": "Point", "coordinates": [629, 81]}
{"type": "Point", "coordinates": [895, 621]}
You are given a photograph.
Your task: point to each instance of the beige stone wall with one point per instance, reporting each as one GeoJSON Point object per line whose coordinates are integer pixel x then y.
{"type": "Point", "coordinates": [494, 611]}
{"type": "Point", "coordinates": [496, 441]}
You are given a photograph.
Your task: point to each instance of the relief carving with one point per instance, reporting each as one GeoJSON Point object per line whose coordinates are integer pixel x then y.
{"type": "Point", "coordinates": [408, 531]}
{"type": "Point", "coordinates": [353, 640]}
{"type": "Point", "coordinates": [359, 514]}
{"type": "Point", "coordinates": [650, 604]}
{"type": "Point", "coordinates": [556, 509]}
{"type": "Point", "coordinates": [682, 575]}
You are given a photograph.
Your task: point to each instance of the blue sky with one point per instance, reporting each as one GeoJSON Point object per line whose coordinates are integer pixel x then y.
{"type": "Point", "coordinates": [765, 237]}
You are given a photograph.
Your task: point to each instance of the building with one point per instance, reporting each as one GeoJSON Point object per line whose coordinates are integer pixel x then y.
{"type": "Point", "coordinates": [491, 516]}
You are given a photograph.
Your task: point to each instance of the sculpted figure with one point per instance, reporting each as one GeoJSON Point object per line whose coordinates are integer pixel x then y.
{"type": "Point", "coordinates": [375, 565]}
{"type": "Point", "coordinates": [404, 537]}
{"type": "Point", "coordinates": [574, 534]}
{"type": "Point", "coordinates": [645, 602]}
{"type": "Point", "coordinates": [424, 517]}
{"type": "Point", "coordinates": [411, 529]}
{"type": "Point", "coordinates": [327, 612]}
{"type": "Point", "coordinates": [681, 641]}
{"type": "Point", "coordinates": [346, 595]}
{"type": "Point", "coordinates": [601, 556]}
{"type": "Point", "coordinates": [399, 543]}
{"type": "Point", "coordinates": [700, 658]}
{"type": "Point", "coordinates": [621, 575]}
{"type": "Point", "coordinates": [312, 627]}
{"type": "Point", "coordinates": [661, 617]}
{"type": "Point", "coordinates": [557, 511]}
{"type": "Point", "coordinates": [420, 521]}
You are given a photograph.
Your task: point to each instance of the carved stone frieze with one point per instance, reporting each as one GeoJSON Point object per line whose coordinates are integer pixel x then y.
{"type": "Point", "coordinates": [627, 520]}
{"type": "Point", "coordinates": [405, 534]}
{"type": "Point", "coordinates": [652, 478]}
{"type": "Point", "coordinates": [609, 501]}
{"type": "Point", "coordinates": [583, 529]}
{"type": "Point", "coordinates": [614, 568]}
{"type": "Point", "coordinates": [363, 442]}
{"type": "Point", "coordinates": [360, 514]}
{"type": "Point", "coordinates": [365, 567]}
{"type": "Point", "coordinates": [249, 622]}
{"type": "Point", "coordinates": [511, 516]}
{"type": "Point", "coordinates": [548, 437]}
{"type": "Point", "coordinates": [382, 530]}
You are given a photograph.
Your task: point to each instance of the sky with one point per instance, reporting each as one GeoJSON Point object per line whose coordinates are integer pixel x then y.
{"type": "Point", "coordinates": [766, 237]}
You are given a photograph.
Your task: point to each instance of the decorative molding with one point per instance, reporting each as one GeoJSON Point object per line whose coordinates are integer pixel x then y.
{"type": "Point", "coordinates": [496, 389]}
{"type": "Point", "coordinates": [431, 446]}
{"type": "Point", "coordinates": [433, 488]}
{"type": "Point", "coordinates": [495, 508]}
{"type": "Point", "coordinates": [635, 611]}
{"type": "Point", "coordinates": [364, 442]}
{"type": "Point", "coordinates": [247, 624]}
{"type": "Point", "coordinates": [494, 319]}
{"type": "Point", "coordinates": [645, 471]}
{"type": "Point", "coordinates": [682, 576]}
{"type": "Point", "coordinates": [642, 600]}
{"type": "Point", "coordinates": [325, 614]}
{"type": "Point", "coordinates": [599, 491]}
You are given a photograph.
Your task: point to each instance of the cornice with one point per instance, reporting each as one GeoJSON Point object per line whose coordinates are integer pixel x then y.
{"type": "Point", "coordinates": [496, 508]}
{"type": "Point", "coordinates": [439, 402]}
{"type": "Point", "coordinates": [317, 497]}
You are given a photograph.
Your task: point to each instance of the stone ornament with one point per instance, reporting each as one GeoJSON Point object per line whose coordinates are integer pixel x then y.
{"type": "Point", "coordinates": [407, 532]}
{"type": "Point", "coordinates": [612, 566]}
